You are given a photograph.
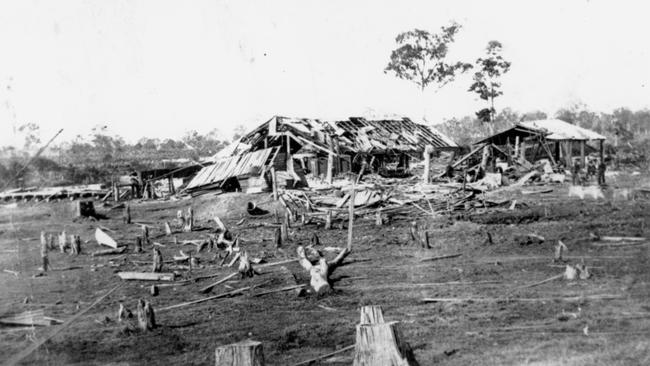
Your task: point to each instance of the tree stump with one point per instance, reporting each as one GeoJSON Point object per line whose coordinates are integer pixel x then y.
{"type": "Point", "coordinates": [378, 219]}
{"type": "Point", "coordinates": [50, 240]}
{"type": "Point", "coordinates": [278, 238]}
{"type": "Point", "coordinates": [146, 316]}
{"type": "Point", "coordinates": [154, 290]}
{"type": "Point", "coordinates": [168, 229]}
{"type": "Point", "coordinates": [157, 261]}
{"type": "Point", "coordinates": [245, 266]}
{"type": "Point", "coordinates": [181, 219]}
{"type": "Point", "coordinates": [138, 245]}
{"type": "Point", "coordinates": [75, 241]}
{"type": "Point", "coordinates": [424, 240]}
{"type": "Point", "coordinates": [127, 214]}
{"type": "Point", "coordinates": [284, 231]}
{"type": "Point", "coordinates": [44, 259]}
{"type": "Point", "coordinates": [245, 353]}
{"type": "Point", "coordinates": [123, 313]}
{"type": "Point", "coordinates": [560, 249]}
{"type": "Point", "coordinates": [189, 220]}
{"type": "Point", "coordinates": [328, 220]}
{"type": "Point", "coordinates": [379, 343]}
{"type": "Point", "coordinates": [145, 235]}
{"type": "Point", "coordinates": [371, 314]}
{"type": "Point", "coordinates": [63, 242]}
{"type": "Point", "coordinates": [314, 240]}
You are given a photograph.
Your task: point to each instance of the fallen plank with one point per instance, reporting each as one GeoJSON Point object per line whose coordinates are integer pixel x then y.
{"type": "Point", "coordinates": [104, 239]}
{"type": "Point", "coordinates": [516, 299]}
{"type": "Point", "coordinates": [36, 317]}
{"type": "Point", "coordinates": [325, 356]}
{"type": "Point", "coordinates": [10, 272]}
{"type": "Point", "coordinates": [286, 288]}
{"type": "Point", "coordinates": [622, 238]}
{"type": "Point", "coordinates": [226, 294]}
{"type": "Point", "coordinates": [108, 252]}
{"type": "Point", "coordinates": [146, 276]}
{"type": "Point", "coordinates": [27, 351]}
{"type": "Point", "coordinates": [441, 257]}
{"type": "Point", "coordinates": [541, 282]}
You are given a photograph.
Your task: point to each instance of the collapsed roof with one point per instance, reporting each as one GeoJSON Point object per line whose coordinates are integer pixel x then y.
{"type": "Point", "coordinates": [550, 129]}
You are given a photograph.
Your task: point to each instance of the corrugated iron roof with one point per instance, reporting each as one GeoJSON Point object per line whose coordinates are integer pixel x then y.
{"type": "Point", "coordinates": [561, 130]}
{"type": "Point", "coordinates": [231, 166]}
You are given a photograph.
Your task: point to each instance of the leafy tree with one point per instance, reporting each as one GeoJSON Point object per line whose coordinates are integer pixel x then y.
{"type": "Point", "coordinates": [421, 57]}
{"type": "Point", "coordinates": [534, 115]}
{"type": "Point", "coordinates": [31, 133]}
{"type": "Point", "coordinates": [238, 132]}
{"type": "Point", "coordinates": [486, 80]}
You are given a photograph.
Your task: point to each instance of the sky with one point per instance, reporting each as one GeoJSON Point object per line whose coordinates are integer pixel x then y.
{"type": "Point", "coordinates": [159, 68]}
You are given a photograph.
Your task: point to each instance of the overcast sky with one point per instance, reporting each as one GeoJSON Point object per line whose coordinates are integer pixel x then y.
{"type": "Point", "coordinates": [159, 68]}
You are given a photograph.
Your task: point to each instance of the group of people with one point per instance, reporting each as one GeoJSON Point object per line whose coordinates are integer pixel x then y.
{"type": "Point", "coordinates": [595, 168]}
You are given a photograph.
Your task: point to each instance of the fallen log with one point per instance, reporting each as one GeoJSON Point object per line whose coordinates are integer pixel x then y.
{"type": "Point", "coordinates": [515, 299]}
{"type": "Point", "coordinates": [108, 252]}
{"type": "Point", "coordinates": [440, 257]}
{"type": "Point", "coordinates": [17, 358]}
{"type": "Point", "coordinates": [226, 294]}
{"type": "Point", "coordinates": [146, 276]}
{"type": "Point", "coordinates": [325, 356]}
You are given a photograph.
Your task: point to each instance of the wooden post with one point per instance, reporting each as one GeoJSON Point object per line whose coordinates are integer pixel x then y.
{"type": "Point", "coordinates": [569, 154]}
{"type": "Point", "coordinates": [330, 161]}
{"type": "Point", "coordinates": [328, 220]}
{"type": "Point", "coordinates": [517, 147]}
{"type": "Point", "coordinates": [76, 244]}
{"type": "Point", "coordinates": [189, 220]}
{"type": "Point", "coordinates": [380, 343]}
{"type": "Point", "coordinates": [138, 245]}
{"type": "Point", "coordinates": [127, 214]}
{"type": "Point", "coordinates": [378, 219]}
{"type": "Point", "coordinates": [170, 183]}
{"type": "Point", "coordinates": [426, 176]}
{"type": "Point", "coordinates": [582, 154]}
{"type": "Point", "coordinates": [601, 149]}
{"type": "Point", "coordinates": [484, 158]}
{"type": "Point", "coordinates": [245, 353]}
{"type": "Point", "coordinates": [278, 237]}
{"type": "Point", "coordinates": [145, 235]}
{"type": "Point", "coordinates": [284, 231]}
{"type": "Point", "coordinates": [116, 192]}
{"type": "Point", "coordinates": [351, 217]}
{"type": "Point", "coordinates": [44, 258]}
{"type": "Point", "coordinates": [274, 182]}
{"type": "Point", "coordinates": [157, 261]}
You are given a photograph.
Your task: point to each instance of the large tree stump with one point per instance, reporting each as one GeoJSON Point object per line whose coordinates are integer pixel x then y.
{"type": "Point", "coordinates": [379, 343]}
{"type": "Point", "coordinates": [371, 314]}
{"type": "Point", "coordinates": [245, 353]}
{"type": "Point", "coordinates": [146, 316]}
{"type": "Point", "coordinates": [157, 260]}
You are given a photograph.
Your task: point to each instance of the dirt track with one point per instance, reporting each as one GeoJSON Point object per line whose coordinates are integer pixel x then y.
{"type": "Point", "coordinates": [385, 269]}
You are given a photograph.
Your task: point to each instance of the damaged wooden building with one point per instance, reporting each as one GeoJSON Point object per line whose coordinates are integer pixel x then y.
{"type": "Point", "coordinates": [300, 150]}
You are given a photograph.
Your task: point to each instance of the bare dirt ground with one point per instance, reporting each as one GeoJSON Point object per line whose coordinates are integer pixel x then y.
{"type": "Point", "coordinates": [505, 324]}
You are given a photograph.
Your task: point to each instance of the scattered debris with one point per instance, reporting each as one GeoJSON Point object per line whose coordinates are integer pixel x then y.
{"type": "Point", "coordinates": [104, 239]}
